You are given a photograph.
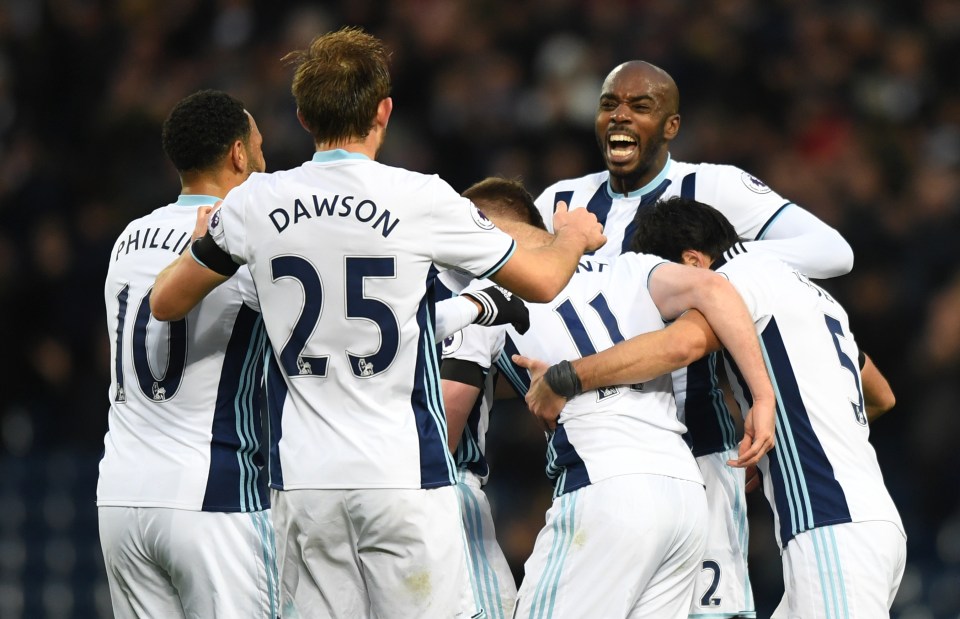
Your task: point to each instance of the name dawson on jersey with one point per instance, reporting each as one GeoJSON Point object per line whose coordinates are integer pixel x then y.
{"type": "Point", "coordinates": [366, 211]}
{"type": "Point", "coordinates": [150, 240]}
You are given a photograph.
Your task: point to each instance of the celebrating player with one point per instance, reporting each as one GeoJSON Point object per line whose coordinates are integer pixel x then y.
{"type": "Point", "coordinates": [637, 118]}
{"type": "Point", "coordinates": [628, 493]}
{"type": "Point", "coordinates": [343, 252]}
{"type": "Point", "coordinates": [182, 501]}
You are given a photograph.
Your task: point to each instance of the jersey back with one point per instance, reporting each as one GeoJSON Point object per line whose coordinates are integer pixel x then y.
{"type": "Point", "coordinates": [613, 431]}
{"type": "Point", "coordinates": [344, 252]}
{"type": "Point", "coordinates": [185, 396]}
{"type": "Point", "coordinates": [823, 469]}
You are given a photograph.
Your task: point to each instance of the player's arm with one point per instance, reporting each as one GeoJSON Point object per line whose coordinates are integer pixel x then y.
{"type": "Point", "coordinates": [189, 278]}
{"type": "Point", "coordinates": [461, 382]}
{"type": "Point", "coordinates": [802, 240]}
{"type": "Point", "coordinates": [878, 397]}
{"type": "Point", "coordinates": [538, 274]}
{"type": "Point", "coordinates": [675, 288]}
{"type": "Point", "coordinates": [487, 307]}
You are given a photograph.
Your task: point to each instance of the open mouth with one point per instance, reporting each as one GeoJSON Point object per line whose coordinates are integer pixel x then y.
{"type": "Point", "coordinates": [621, 147]}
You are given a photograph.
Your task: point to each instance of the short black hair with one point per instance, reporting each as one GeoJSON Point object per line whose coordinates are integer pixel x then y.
{"type": "Point", "coordinates": [495, 195]}
{"type": "Point", "coordinates": [201, 127]}
{"type": "Point", "coordinates": [671, 226]}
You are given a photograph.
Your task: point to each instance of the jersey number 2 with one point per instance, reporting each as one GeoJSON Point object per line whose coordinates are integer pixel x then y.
{"type": "Point", "coordinates": [158, 389]}
{"type": "Point", "coordinates": [358, 307]}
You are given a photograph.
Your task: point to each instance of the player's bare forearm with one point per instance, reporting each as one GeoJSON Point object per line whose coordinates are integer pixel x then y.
{"type": "Point", "coordinates": [539, 274]}
{"type": "Point", "coordinates": [523, 233]}
{"type": "Point", "coordinates": [181, 286]}
{"type": "Point", "coordinates": [878, 396]}
{"type": "Point", "coordinates": [644, 357]}
{"type": "Point", "coordinates": [458, 401]}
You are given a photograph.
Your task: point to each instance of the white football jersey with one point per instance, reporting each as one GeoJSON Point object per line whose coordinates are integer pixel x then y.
{"type": "Point", "coordinates": [344, 252]}
{"type": "Point", "coordinates": [750, 206]}
{"type": "Point", "coordinates": [613, 431]}
{"type": "Point", "coordinates": [823, 469]}
{"type": "Point", "coordinates": [185, 396]}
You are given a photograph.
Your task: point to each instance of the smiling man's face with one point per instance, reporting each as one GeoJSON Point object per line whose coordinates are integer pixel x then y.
{"type": "Point", "coordinates": [636, 119]}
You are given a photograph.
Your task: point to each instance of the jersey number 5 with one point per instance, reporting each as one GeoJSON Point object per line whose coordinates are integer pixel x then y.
{"type": "Point", "coordinates": [358, 306]}
{"type": "Point", "coordinates": [158, 389]}
{"type": "Point", "coordinates": [836, 330]}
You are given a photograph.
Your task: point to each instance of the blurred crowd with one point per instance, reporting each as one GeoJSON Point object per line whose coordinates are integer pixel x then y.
{"type": "Point", "coordinates": [850, 109]}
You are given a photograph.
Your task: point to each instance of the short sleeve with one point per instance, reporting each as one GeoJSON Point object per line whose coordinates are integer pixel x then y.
{"type": "Point", "coordinates": [463, 238]}
{"type": "Point", "coordinates": [227, 225]}
{"type": "Point", "coordinates": [480, 345]}
{"type": "Point", "coordinates": [749, 287]}
{"type": "Point", "coordinates": [749, 203]}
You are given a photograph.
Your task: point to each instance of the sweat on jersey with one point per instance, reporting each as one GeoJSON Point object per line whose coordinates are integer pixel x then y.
{"type": "Point", "coordinates": [344, 252]}
{"type": "Point", "coordinates": [184, 421]}
{"type": "Point", "coordinates": [823, 469]}
{"type": "Point", "coordinates": [623, 430]}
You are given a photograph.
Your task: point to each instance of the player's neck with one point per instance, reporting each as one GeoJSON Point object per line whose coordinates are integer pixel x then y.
{"type": "Point", "coordinates": [367, 146]}
{"type": "Point", "coordinates": [205, 185]}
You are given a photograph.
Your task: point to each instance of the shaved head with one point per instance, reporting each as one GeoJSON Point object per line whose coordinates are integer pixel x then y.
{"type": "Point", "coordinates": [636, 120]}
{"type": "Point", "coordinates": [661, 85]}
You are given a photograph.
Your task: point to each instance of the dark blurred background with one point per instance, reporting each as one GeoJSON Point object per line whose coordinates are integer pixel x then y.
{"type": "Point", "coordinates": [850, 109]}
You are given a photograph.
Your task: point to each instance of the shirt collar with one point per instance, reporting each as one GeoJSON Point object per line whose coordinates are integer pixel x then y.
{"type": "Point", "coordinates": [653, 184]}
{"type": "Point", "coordinates": [337, 154]}
{"type": "Point", "coordinates": [196, 199]}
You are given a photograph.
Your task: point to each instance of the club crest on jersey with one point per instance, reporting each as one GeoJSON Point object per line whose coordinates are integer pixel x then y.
{"type": "Point", "coordinates": [215, 219]}
{"type": "Point", "coordinates": [452, 343]}
{"type": "Point", "coordinates": [480, 219]}
{"type": "Point", "coordinates": [754, 184]}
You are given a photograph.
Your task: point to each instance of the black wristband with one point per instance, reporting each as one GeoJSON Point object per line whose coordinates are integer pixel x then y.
{"type": "Point", "coordinates": [563, 379]}
{"type": "Point", "coordinates": [862, 359]}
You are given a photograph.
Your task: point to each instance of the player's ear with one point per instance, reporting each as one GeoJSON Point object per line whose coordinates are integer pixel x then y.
{"type": "Point", "coordinates": [238, 156]}
{"type": "Point", "coordinates": [672, 127]}
{"type": "Point", "coordinates": [303, 121]}
{"type": "Point", "coordinates": [384, 109]}
{"type": "Point", "coordinates": [691, 258]}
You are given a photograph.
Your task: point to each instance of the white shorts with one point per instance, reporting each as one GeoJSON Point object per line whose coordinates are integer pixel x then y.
{"type": "Point", "coordinates": [628, 546]}
{"type": "Point", "coordinates": [389, 553]}
{"type": "Point", "coordinates": [850, 570]}
{"type": "Point", "coordinates": [177, 563]}
{"type": "Point", "coordinates": [723, 584]}
{"type": "Point", "coordinates": [493, 583]}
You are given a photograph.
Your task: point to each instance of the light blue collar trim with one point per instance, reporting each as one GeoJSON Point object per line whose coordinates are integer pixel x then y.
{"type": "Point", "coordinates": [337, 154]}
{"type": "Point", "coordinates": [653, 184]}
{"type": "Point", "coordinates": [196, 199]}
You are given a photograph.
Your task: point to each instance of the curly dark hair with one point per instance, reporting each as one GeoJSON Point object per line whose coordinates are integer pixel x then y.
{"type": "Point", "coordinates": [201, 128]}
{"type": "Point", "coordinates": [339, 81]}
{"type": "Point", "coordinates": [669, 227]}
{"type": "Point", "coordinates": [495, 195]}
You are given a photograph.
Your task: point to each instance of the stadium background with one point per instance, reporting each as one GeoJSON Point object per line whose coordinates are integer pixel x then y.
{"type": "Point", "coordinates": [851, 109]}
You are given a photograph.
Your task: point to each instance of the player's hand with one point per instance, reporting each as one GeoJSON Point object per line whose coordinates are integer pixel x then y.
{"type": "Point", "coordinates": [541, 400]}
{"type": "Point", "coordinates": [499, 306]}
{"type": "Point", "coordinates": [579, 221]}
{"type": "Point", "coordinates": [758, 434]}
{"type": "Point", "coordinates": [752, 478]}
{"type": "Point", "coordinates": [203, 218]}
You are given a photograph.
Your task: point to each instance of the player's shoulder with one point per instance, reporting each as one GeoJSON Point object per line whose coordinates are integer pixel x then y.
{"type": "Point", "coordinates": [590, 182]}
{"type": "Point", "coordinates": [631, 265]}
{"type": "Point", "coordinates": [722, 177]}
